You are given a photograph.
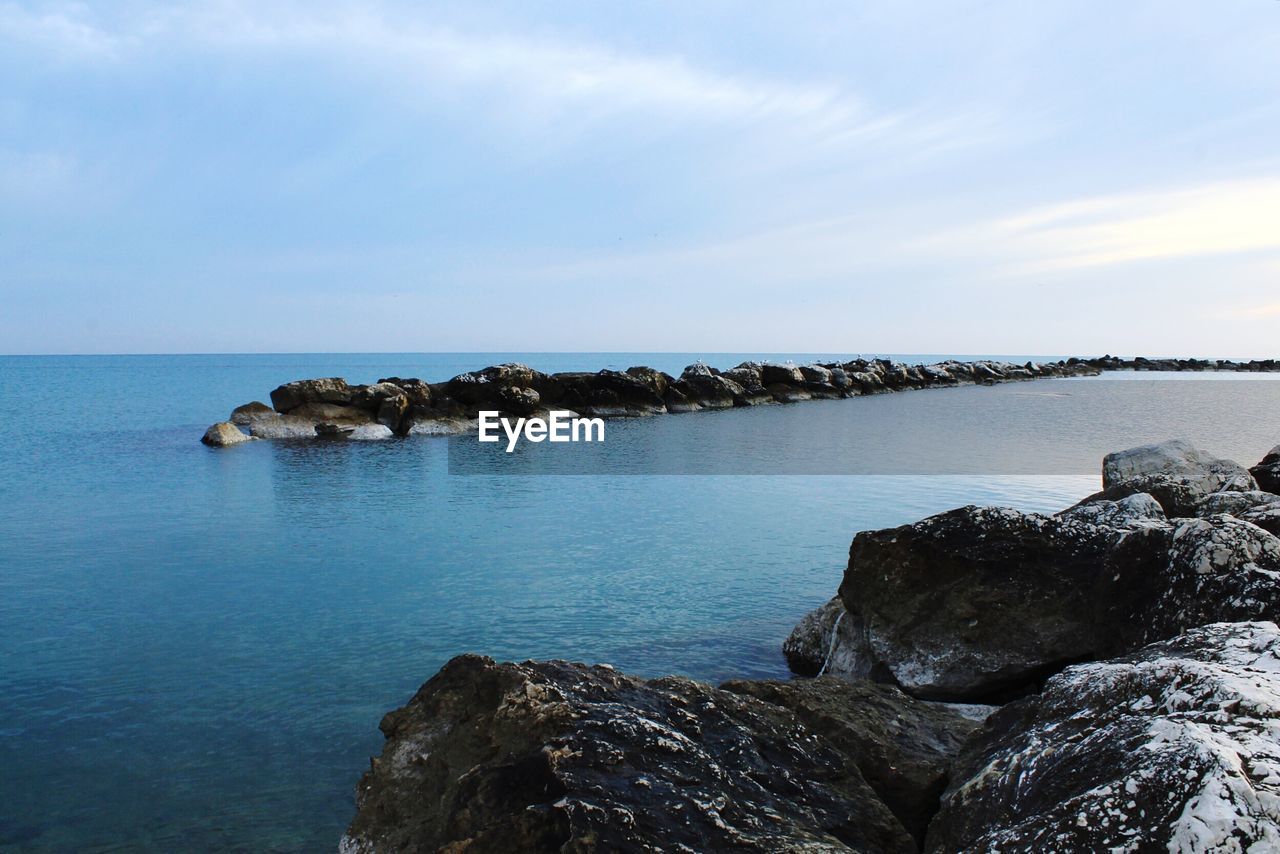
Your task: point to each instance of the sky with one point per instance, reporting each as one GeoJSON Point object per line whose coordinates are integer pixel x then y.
{"type": "Point", "coordinates": [1058, 177]}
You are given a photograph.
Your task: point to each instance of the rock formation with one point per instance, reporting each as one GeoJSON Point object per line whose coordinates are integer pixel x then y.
{"type": "Point", "coordinates": [1174, 748]}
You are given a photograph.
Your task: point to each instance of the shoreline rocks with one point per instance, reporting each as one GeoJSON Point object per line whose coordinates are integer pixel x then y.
{"type": "Point", "coordinates": [1127, 658]}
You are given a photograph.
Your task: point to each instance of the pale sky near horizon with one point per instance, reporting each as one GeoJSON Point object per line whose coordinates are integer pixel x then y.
{"type": "Point", "coordinates": [944, 177]}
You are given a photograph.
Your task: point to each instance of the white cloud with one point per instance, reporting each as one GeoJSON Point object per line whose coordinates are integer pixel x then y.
{"type": "Point", "coordinates": [1210, 219]}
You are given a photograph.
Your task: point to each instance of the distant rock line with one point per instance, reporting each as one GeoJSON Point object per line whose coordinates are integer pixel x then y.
{"type": "Point", "coordinates": [331, 408]}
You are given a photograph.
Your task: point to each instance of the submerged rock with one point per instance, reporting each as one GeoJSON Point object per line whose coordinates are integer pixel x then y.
{"type": "Point", "coordinates": [1174, 748]}
{"type": "Point", "coordinates": [223, 435]}
{"type": "Point", "coordinates": [552, 756]}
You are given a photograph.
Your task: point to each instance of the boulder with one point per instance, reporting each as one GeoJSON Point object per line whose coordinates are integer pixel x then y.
{"type": "Point", "coordinates": [1174, 748]}
{"type": "Point", "coordinates": [707, 388]}
{"type": "Point", "coordinates": [784, 374]}
{"type": "Point", "coordinates": [327, 390]}
{"type": "Point", "coordinates": [371, 397]}
{"type": "Point", "coordinates": [250, 412]}
{"type": "Point", "coordinates": [1162, 581]}
{"type": "Point", "coordinates": [223, 435]}
{"type": "Point", "coordinates": [1265, 516]}
{"type": "Point", "coordinates": [974, 603]}
{"type": "Point", "coordinates": [418, 392]}
{"type": "Point", "coordinates": [1135, 511]}
{"type": "Point", "coordinates": [392, 411]}
{"type": "Point", "coordinates": [519, 401]}
{"type": "Point", "coordinates": [816, 374]}
{"type": "Point", "coordinates": [903, 746]}
{"type": "Point", "coordinates": [1176, 473]}
{"type": "Point", "coordinates": [1267, 472]}
{"type": "Point", "coordinates": [481, 387]}
{"type": "Point", "coordinates": [610, 394]}
{"type": "Point", "coordinates": [1234, 503]}
{"type": "Point", "coordinates": [656, 381]}
{"type": "Point", "coordinates": [829, 640]}
{"type": "Point", "coordinates": [553, 756]}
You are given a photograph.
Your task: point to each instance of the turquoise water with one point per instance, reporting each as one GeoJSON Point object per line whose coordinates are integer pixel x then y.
{"type": "Point", "coordinates": [198, 644]}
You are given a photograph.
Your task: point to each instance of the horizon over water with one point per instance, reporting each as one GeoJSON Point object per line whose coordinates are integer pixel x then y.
{"type": "Point", "coordinates": [200, 643]}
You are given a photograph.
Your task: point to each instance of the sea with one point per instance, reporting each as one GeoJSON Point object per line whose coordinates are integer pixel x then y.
{"type": "Point", "coordinates": [197, 644]}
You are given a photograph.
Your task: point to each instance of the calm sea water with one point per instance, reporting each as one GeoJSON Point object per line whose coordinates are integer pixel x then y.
{"type": "Point", "coordinates": [198, 644]}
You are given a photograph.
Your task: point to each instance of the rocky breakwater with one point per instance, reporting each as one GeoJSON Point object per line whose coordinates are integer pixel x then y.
{"type": "Point", "coordinates": [330, 408]}
{"type": "Point", "coordinates": [1105, 678]}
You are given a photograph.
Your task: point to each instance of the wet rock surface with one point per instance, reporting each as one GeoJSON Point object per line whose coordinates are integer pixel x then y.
{"type": "Point", "coordinates": [1174, 748]}
{"type": "Point", "coordinates": [552, 756]}
{"type": "Point", "coordinates": [1267, 472]}
{"type": "Point", "coordinates": [903, 746]}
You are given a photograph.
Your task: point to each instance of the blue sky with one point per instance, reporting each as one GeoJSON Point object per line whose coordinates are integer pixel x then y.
{"type": "Point", "coordinates": [968, 177]}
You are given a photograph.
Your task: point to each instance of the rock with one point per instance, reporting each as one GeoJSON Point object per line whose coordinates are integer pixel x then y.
{"type": "Point", "coordinates": [1162, 581]}
{"type": "Point", "coordinates": [552, 756]}
{"type": "Point", "coordinates": [1174, 748]}
{"type": "Point", "coordinates": [519, 401]}
{"type": "Point", "coordinates": [611, 394]}
{"type": "Point", "coordinates": [810, 649]}
{"type": "Point", "coordinates": [392, 412]}
{"type": "Point", "coordinates": [784, 374]}
{"type": "Point", "coordinates": [418, 392]}
{"type": "Point", "coordinates": [816, 374]}
{"type": "Point", "coordinates": [328, 430]}
{"type": "Point", "coordinates": [370, 433]}
{"type": "Point", "coordinates": [283, 427]}
{"type": "Point", "coordinates": [1234, 503]}
{"type": "Point", "coordinates": [709, 390]}
{"type": "Point", "coordinates": [477, 387]}
{"type": "Point", "coordinates": [903, 746]}
{"type": "Point", "coordinates": [1135, 511]}
{"type": "Point", "coordinates": [327, 390]}
{"type": "Point", "coordinates": [333, 412]}
{"type": "Point", "coordinates": [976, 602]}
{"type": "Point", "coordinates": [1176, 473]}
{"type": "Point", "coordinates": [371, 397]}
{"type": "Point", "coordinates": [250, 412]}
{"type": "Point", "coordinates": [223, 435]}
{"type": "Point", "coordinates": [656, 381]}
{"type": "Point", "coordinates": [1267, 472]}
{"type": "Point", "coordinates": [1265, 516]}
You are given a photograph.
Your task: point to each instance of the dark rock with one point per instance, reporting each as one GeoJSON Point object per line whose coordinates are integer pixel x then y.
{"type": "Point", "coordinates": [784, 374]}
{"type": "Point", "coordinates": [1265, 516]}
{"type": "Point", "coordinates": [975, 602]}
{"type": "Point", "coordinates": [1162, 581]}
{"type": "Point", "coordinates": [392, 412]}
{"type": "Point", "coordinates": [481, 387]}
{"type": "Point", "coordinates": [333, 412]}
{"type": "Point", "coordinates": [707, 388]}
{"type": "Point", "coordinates": [519, 401]}
{"type": "Point", "coordinates": [552, 756]}
{"type": "Point", "coordinates": [327, 390]}
{"type": "Point", "coordinates": [329, 430]}
{"type": "Point", "coordinates": [611, 394]}
{"type": "Point", "coordinates": [1173, 748]}
{"type": "Point", "coordinates": [1267, 472]}
{"type": "Point", "coordinates": [371, 397]}
{"type": "Point", "coordinates": [224, 434]}
{"type": "Point", "coordinates": [250, 412]}
{"type": "Point", "coordinates": [656, 381]}
{"type": "Point", "coordinates": [903, 746]}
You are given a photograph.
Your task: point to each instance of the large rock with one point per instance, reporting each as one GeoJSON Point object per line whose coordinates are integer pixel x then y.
{"type": "Point", "coordinates": [829, 640]}
{"type": "Point", "coordinates": [223, 435]}
{"type": "Point", "coordinates": [481, 387]}
{"type": "Point", "coordinates": [326, 390]}
{"type": "Point", "coordinates": [551, 756]}
{"type": "Point", "coordinates": [903, 746]}
{"type": "Point", "coordinates": [1267, 472]}
{"type": "Point", "coordinates": [1176, 473]}
{"type": "Point", "coordinates": [708, 388]}
{"type": "Point", "coordinates": [975, 602]}
{"type": "Point", "coordinates": [1175, 748]}
{"type": "Point", "coordinates": [1162, 581]}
